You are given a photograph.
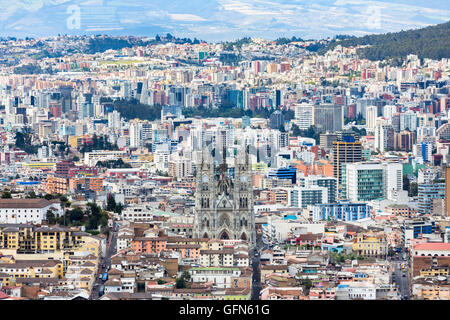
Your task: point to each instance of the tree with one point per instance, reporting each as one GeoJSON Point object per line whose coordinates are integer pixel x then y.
{"type": "Point", "coordinates": [103, 221]}
{"type": "Point", "coordinates": [413, 189]}
{"type": "Point", "coordinates": [296, 130]}
{"type": "Point", "coordinates": [311, 132]}
{"type": "Point", "coordinates": [76, 214]}
{"type": "Point", "coordinates": [6, 194]}
{"type": "Point", "coordinates": [23, 142]}
{"type": "Point", "coordinates": [119, 208]}
{"type": "Point", "coordinates": [111, 203]}
{"type": "Point", "coordinates": [406, 182]}
{"type": "Point", "coordinates": [48, 196]}
{"type": "Point", "coordinates": [307, 283]}
{"type": "Point", "coordinates": [31, 195]}
{"type": "Point", "coordinates": [181, 282]}
{"type": "Point", "coordinates": [51, 219]}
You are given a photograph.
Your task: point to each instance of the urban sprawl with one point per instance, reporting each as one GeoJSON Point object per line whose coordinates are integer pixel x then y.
{"type": "Point", "coordinates": [182, 170]}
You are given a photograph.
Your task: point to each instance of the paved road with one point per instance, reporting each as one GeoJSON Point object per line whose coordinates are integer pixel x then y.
{"type": "Point", "coordinates": [111, 249]}
{"type": "Point", "coordinates": [402, 278]}
{"type": "Point", "coordinates": [256, 283]}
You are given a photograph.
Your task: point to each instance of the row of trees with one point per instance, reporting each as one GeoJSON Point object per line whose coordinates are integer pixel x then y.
{"type": "Point", "coordinates": [113, 164]}
{"type": "Point", "coordinates": [170, 38]}
{"type": "Point", "coordinates": [23, 142]}
{"type": "Point", "coordinates": [91, 218]}
{"type": "Point", "coordinates": [311, 132]}
{"type": "Point", "coordinates": [132, 109]}
{"type": "Point", "coordinates": [106, 43]}
{"type": "Point", "coordinates": [411, 187]}
{"type": "Point", "coordinates": [111, 205]}
{"type": "Point", "coordinates": [341, 257]}
{"type": "Point", "coordinates": [230, 45]}
{"type": "Point", "coordinates": [98, 143]}
{"type": "Point", "coordinates": [230, 111]}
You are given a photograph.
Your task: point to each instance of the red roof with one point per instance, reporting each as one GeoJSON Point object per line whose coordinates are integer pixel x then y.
{"type": "Point", "coordinates": [438, 246]}
{"type": "Point", "coordinates": [3, 295]}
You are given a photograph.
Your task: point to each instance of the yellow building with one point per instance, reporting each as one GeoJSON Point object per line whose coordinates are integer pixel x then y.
{"type": "Point", "coordinates": [33, 269]}
{"type": "Point", "coordinates": [434, 292]}
{"type": "Point", "coordinates": [434, 272]}
{"type": "Point", "coordinates": [371, 244]}
{"type": "Point", "coordinates": [40, 165]}
{"type": "Point", "coordinates": [203, 243]}
{"type": "Point", "coordinates": [75, 141]}
{"type": "Point", "coordinates": [31, 243]}
{"type": "Point", "coordinates": [5, 279]}
{"type": "Point", "coordinates": [29, 239]}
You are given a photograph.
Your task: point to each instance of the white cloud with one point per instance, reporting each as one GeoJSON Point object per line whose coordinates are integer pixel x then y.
{"type": "Point", "coordinates": [185, 17]}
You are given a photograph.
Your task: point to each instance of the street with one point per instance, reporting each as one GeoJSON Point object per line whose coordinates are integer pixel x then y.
{"type": "Point", "coordinates": [111, 246]}
{"type": "Point", "coordinates": [256, 281]}
{"type": "Point", "coordinates": [400, 277]}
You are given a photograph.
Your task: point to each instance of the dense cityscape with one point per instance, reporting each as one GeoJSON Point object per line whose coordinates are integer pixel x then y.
{"type": "Point", "coordinates": [165, 168]}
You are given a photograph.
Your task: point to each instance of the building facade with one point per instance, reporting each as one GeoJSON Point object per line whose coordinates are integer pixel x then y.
{"type": "Point", "coordinates": [224, 204]}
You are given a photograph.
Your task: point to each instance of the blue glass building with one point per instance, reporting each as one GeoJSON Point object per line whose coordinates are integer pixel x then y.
{"type": "Point", "coordinates": [341, 211]}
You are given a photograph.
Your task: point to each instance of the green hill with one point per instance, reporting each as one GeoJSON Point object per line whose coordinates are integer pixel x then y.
{"type": "Point", "coordinates": [431, 42]}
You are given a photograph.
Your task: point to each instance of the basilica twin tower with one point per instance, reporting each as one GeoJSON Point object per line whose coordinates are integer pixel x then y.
{"type": "Point", "coordinates": [224, 200]}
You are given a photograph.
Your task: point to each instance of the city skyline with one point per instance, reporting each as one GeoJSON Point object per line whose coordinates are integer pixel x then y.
{"type": "Point", "coordinates": [145, 167]}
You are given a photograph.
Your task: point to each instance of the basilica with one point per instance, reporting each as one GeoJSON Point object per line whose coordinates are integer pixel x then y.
{"type": "Point", "coordinates": [224, 199]}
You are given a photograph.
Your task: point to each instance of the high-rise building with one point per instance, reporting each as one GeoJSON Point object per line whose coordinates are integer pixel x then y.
{"type": "Point", "coordinates": [447, 191]}
{"type": "Point", "coordinates": [276, 120]}
{"type": "Point", "coordinates": [114, 120]}
{"type": "Point", "coordinates": [404, 140]}
{"type": "Point", "coordinates": [341, 211]}
{"type": "Point", "coordinates": [328, 117]}
{"type": "Point", "coordinates": [362, 182]}
{"type": "Point", "coordinates": [303, 197]}
{"type": "Point", "coordinates": [327, 139]}
{"type": "Point", "coordinates": [245, 122]}
{"type": "Point", "coordinates": [423, 150]}
{"type": "Point", "coordinates": [371, 117]}
{"type": "Point", "coordinates": [384, 137]}
{"type": "Point", "coordinates": [366, 181]}
{"type": "Point", "coordinates": [135, 134]}
{"type": "Point", "coordinates": [388, 111]}
{"type": "Point", "coordinates": [408, 121]}
{"type": "Point", "coordinates": [321, 181]}
{"type": "Point", "coordinates": [346, 151]}
{"type": "Point", "coordinates": [303, 116]}
{"type": "Point", "coordinates": [426, 194]}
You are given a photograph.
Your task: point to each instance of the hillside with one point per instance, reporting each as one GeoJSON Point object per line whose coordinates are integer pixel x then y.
{"type": "Point", "coordinates": [431, 42]}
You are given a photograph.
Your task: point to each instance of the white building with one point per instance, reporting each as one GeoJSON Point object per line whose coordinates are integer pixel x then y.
{"type": "Point", "coordinates": [364, 180]}
{"type": "Point", "coordinates": [303, 116]}
{"type": "Point", "coordinates": [384, 136]}
{"type": "Point", "coordinates": [371, 117]}
{"type": "Point", "coordinates": [27, 210]}
{"type": "Point", "coordinates": [137, 213]}
{"type": "Point", "coordinates": [91, 158]}
{"type": "Point", "coordinates": [221, 277]}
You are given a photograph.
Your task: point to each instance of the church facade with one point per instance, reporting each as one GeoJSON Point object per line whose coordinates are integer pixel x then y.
{"type": "Point", "coordinates": [224, 201]}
